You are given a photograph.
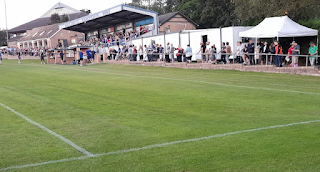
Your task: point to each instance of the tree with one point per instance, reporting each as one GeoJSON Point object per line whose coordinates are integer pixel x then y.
{"type": "Point", "coordinates": [250, 12]}
{"type": "Point", "coordinates": [64, 18]}
{"type": "Point", "coordinates": [208, 13]}
{"type": "Point", "coordinates": [55, 18]}
{"type": "Point", "coordinates": [3, 37]}
{"type": "Point", "coordinates": [169, 5]}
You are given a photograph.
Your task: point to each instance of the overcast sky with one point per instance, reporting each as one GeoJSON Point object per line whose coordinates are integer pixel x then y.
{"type": "Point", "coordinates": [22, 11]}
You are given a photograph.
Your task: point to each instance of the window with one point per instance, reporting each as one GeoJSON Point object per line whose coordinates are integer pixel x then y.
{"type": "Point", "coordinates": [49, 32]}
{"type": "Point", "coordinates": [42, 33]}
{"type": "Point", "coordinates": [35, 34]}
{"type": "Point", "coordinates": [167, 30]}
{"type": "Point", "coordinates": [61, 34]}
{"type": "Point", "coordinates": [28, 35]}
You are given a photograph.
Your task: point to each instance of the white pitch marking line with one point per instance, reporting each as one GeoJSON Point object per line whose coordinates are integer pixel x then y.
{"type": "Point", "coordinates": [49, 131]}
{"type": "Point", "coordinates": [159, 145]}
{"type": "Point", "coordinates": [186, 80]}
{"type": "Point", "coordinates": [204, 82]}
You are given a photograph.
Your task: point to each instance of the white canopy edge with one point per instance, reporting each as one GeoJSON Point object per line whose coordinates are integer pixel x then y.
{"type": "Point", "coordinates": [278, 27]}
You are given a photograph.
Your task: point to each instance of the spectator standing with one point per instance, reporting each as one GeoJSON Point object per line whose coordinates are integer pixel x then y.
{"type": "Point", "coordinates": [81, 57]}
{"type": "Point", "coordinates": [203, 51]}
{"type": "Point", "coordinates": [272, 51]}
{"type": "Point", "coordinates": [61, 56]}
{"type": "Point", "coordinates": [229, 52]}
{"type": "Point", "coordinates": [161, 52]}
{"type": "Point", "coordinates": [179, 54]}
{"type": "Point", "coordinates": [313, 52]}
{"type": "Point", "coordinates": [130, 51]}
{"type": "Point", "coordinates": [295, 53]}
{"type": "Point", "coordinates": [251, 52]}
{"type": "Point", "coordinates": [258, 50]}
{"type": "Point", "coordinates": [212, 56]}
{"type": "Point", "coordinates": [140, 53]}
{"type": "Point", "coordinates": [19, 57]}
{"type": "Point", "coordinates": [93, 53]}
{"type": "Point", "coordinates": [135, 52]}
{"type": "Point", "coordinates": [207, 51]}
{"type": "Point", "coordinates": [42, 58]}
{"type": "Point", "coordinates": [172, 49]}
{"type": "Point", "coordinates": [188, 54]}
{"type": "Point", "coordinates": [0, 58]}
{"type": "Point", "coordinates": [245, 56]}
{"type": "Point", "coordinates": [278, 52]}
{"type": "Point", "coordinates": [264, 51]}
{"type": "Point", "coordinates": [156, 52]}
{"type": "Point", "coordinates": [290, 54]}
{"type": "Point", "coordinates": [223, 52]}
{"type": "Point", "coordinates": [149, 52]}
{"type": "Point", "coordinates": [239, 52]}
{"type": "Point", "coordinates": [167, 53]}
{"type": "Point", "coordinates": [145, 54]}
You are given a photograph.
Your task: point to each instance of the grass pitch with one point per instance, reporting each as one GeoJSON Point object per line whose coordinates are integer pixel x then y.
{"type": "Point", "coordinates": [105, 108]}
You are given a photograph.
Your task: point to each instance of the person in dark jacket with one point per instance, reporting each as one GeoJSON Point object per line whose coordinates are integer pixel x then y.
{"type": "Point", "coordinates": [251, 52]}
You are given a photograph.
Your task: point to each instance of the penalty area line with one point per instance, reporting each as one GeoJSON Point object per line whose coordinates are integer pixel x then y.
{"type": "Point", "coordinates": [159, 145]}
{"type": "Point", "coordinates": [49, 131]}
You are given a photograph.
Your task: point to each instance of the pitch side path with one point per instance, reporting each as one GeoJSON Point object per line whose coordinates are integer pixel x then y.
{"type": "Point", "coordinates": [110, 117]}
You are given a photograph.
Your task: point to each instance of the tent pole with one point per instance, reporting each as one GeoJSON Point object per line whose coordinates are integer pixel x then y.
{"type": "Point", "coordinates": [317, 46]}
{"type": "Point", "coordinates": [255, 50]}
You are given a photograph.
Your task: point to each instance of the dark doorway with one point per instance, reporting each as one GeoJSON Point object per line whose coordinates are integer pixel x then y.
{"type": "Point", "coordinates": [204, 38]}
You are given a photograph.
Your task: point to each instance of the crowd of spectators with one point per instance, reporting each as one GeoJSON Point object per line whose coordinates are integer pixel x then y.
{"type": "Point", "coordinates": [116, 38]}
{"type": "Point", "coordinates": [13, 51]}
{"type": "Point", "coordinates": [248, 54]}
{"type": "Point", "coordinates": [273, 54]}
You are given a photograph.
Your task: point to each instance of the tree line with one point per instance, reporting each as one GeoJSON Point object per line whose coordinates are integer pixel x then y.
{"type": "Point", "coordinates": [216, 13]}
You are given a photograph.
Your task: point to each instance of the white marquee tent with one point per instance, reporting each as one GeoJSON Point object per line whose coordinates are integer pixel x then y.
{"type": "Point", "coordinates": [278, 27]}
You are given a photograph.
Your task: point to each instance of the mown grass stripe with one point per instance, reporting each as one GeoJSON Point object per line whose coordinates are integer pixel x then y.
{"type": "Point", "coordinates": [159, 145]}
{"type": "Point", "coordinates": [49, 131]}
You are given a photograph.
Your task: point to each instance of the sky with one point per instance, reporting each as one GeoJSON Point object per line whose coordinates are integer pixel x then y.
{"type": "Point", "coordinates": [23, 11]}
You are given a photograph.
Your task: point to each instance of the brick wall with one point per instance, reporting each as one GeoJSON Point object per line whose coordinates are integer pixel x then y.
{"type": "Point", "coordinates": [177, 24]}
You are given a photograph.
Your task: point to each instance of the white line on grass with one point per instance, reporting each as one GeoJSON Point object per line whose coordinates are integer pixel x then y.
{"type": "Point", "coordinates": [159, 145]}
{"type": "Point", "coordinates": [204, 82]}
{"type": "Point", "coordinates": [187, 80]}
{"type": "Point", "coordinates": [49, 131]}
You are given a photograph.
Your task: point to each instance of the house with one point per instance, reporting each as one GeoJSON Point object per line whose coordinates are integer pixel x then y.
{"type": "Point", "coordinates": [175, 21]}
{"type": "Point", "coordinates": [49, 37]}
{"type": "Point", "coordinates": [22, 31]}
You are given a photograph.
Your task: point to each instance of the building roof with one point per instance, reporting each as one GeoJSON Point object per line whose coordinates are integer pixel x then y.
{"type": "Point", "coordinates": [40, 33]}
{"type": "Point", "coordinates": [60, 9]}
{"type": "Point", "coordinates": [41, 22]}
{"type": "Point", "coordinates": [166, 17]}
{"type": "Point", "coordinates": [15, 38]}
{"type": "Point", "coordinates": [118, 15]}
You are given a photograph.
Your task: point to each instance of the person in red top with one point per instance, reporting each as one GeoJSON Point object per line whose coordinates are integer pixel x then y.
{"type": "Point", "coordinates": [288, 59]}
{"type": "Point", "coordinates": [135, 52]}
{"type": "Point", "coordinates": [278, 50]}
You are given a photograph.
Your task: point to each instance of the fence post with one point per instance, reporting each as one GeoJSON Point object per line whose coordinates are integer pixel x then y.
{"type": "Point", "coordinates": [266, 59]}
{"type": "Point", "coordinates": [306, 61]}
{"type": "Point", "coordinates": [233, 58]}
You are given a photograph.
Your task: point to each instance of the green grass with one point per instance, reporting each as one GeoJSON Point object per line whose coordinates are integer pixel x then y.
{"type": "Point", "coordinates": [104, 108]}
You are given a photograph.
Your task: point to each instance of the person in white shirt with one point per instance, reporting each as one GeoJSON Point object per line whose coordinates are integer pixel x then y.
{"type": "Point", "coordinates": [265, 50]}
{"type": "Point", "coordinates": [188, 53]}
{"type": "Point", "coordinates": [167, 53]}
{"type": "Point", "coordinates": [239, 52]}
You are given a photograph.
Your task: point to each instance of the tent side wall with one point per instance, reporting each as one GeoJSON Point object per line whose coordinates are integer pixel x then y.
{"type": "Point", "coordinates": [229, 34]}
